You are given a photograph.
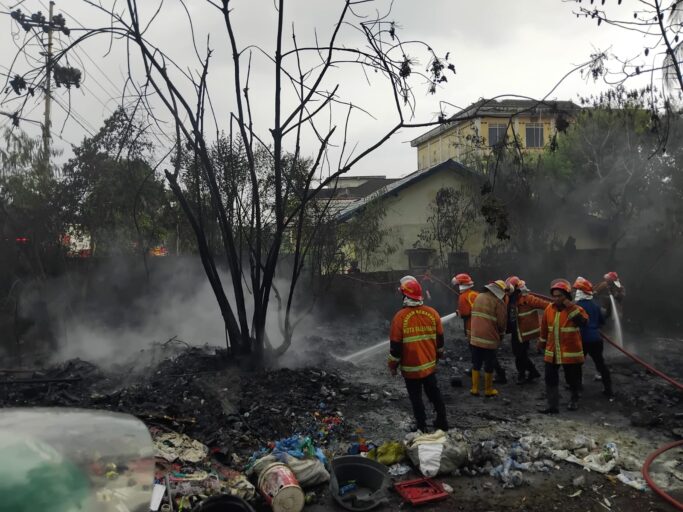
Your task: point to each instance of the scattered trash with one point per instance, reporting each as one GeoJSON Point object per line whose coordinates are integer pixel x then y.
{"type": "Point", "coordinates": [280, 488]}
{"type": "Point", "coordinates": [399, 470]}
{"type": "Point", "coordinates": [158, 493]}
{"type": "Point", "coordinates": [388, 453]}
{"type": "Point", "coordinates": [509, 473]}
{"type": "Point", "coordinates": [633, 479]}
{"type": "Point", "coordinates": [576, 494]}
{"type": "Point", "coordinates": [601, 462]}
{"type": "Point", "coordinates": [173, 446]}
{"type": "Point", "coordinates": [421, 491]}
{"type": "Point", "coordinates": [579, 481]}
{"type": "Point", "coordinates": [447, 488]}
{"type": "Point", "coordinates": [436, 453]}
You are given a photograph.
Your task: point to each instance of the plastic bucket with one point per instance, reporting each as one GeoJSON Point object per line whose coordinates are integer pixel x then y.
{"type": "Point", "coordinates": [371, 478]}
{"type": "Point", "coordinates": [223, 504]}
{"type": "Point", "coordinates": [280, 488]}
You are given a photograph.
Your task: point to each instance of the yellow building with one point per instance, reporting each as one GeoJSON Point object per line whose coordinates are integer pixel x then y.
{"type": "Point", "coordinates": [406, 209]}
{"type": "Point", "coordinates": [471, 133]}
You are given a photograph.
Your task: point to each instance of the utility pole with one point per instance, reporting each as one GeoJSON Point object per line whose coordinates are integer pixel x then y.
{"type": "Point", "coordinates": [64, 75]}
{"type": "Point", "coordinates": [48, 89]}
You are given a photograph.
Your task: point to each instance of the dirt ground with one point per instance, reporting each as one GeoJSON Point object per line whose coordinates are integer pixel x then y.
{"type": "Point", "coordinates": [236, 411]}
{"type": "Point", "coordinates": [645, 414]}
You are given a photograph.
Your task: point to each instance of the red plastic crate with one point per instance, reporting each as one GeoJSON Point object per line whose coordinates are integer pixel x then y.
{"type": "Point", "coordinates": [420, 491]}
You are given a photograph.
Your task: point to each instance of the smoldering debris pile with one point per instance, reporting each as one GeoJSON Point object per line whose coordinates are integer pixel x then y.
{"type": "Point", "coordinates": [196, 392]}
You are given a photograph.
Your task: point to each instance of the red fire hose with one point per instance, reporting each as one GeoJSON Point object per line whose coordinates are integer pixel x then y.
{"type": "Point", "coordinates": [646, 466]}
{"type": "Point", "coordinates": [648, 478]}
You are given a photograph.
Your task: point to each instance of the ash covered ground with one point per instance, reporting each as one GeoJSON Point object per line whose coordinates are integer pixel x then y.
{"type": "Point", "coordinates": [236, 411]}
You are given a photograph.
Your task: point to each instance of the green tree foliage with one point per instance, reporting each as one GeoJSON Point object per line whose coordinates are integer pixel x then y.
{"type": "Point", "coordinates": [32, 216]}
{"type": "Point", "coordinates": [370, 241]}
{"type": "Point", "coordinates": [115, 196]}
{"type": "Point", "coordinates": [452, 215]}
{"type": "Point", "coordinates": [610, 166]}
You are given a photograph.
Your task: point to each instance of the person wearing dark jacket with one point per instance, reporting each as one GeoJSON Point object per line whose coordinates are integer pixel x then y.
{"type": "Point", "coordinates": [590, 331]}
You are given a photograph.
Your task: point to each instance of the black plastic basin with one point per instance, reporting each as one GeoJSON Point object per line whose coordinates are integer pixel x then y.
{"type": "Point", "coordinates": [371, 478]}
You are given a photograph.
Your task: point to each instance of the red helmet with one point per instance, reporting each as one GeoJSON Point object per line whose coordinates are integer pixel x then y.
{"type": "Point", "coordinates": [410, 287]}
{"type": "Point", "coordinates": [462, 280]}
{"type": "Point", "coordinates": [561, 284]}
{"type": "Point", "coordinates": [583, 284]}
{"type": "Point", "coordinates": [515, 283]}
{"type": "Point", "coordinates": [611, 276]}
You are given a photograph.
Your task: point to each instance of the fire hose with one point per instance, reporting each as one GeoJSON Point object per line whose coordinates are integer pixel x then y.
{"type": "Point", "coordinates": [650, 459]}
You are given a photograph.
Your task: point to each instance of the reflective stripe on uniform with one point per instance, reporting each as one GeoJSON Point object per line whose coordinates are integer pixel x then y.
{"type": "Point", "coordinates": [421, 337]}
{"type": "Point", "coordinates": [395, 359]}
{"type": "Point", "coordinates": [494, 343]}
{"type": "Point", "coordinates": [534, 331]}
{"type": "Point", "coordinates": [573, 313]}
{"type": "Point", "coordinates": [569, 329]}
{"type": "Point", "coordinates": [556, 331]}
{"type": "Point", "coordinates": [411, 369]}
{"type": "Point", "coordinates": [527, 313]}
{"type": "Point", "coordinates": [549, 353]}
{"type": "Point", "coordinates": [484, 315]}
{"type": "Point", "coordinates": [573, 354]}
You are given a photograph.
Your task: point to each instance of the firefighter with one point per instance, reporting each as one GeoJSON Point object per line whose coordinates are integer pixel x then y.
{"type": "Point", "coordinates": [489, 320]}
{"type": "Point", "coordinates": [416, 344]}
{"type": "Point", "coordinates": [561, 342]}
{"type": "Point", "coordinates": [523, 326]}
{"type": "Point", "coordinates": [611, 285]}
{"type": "Point", "coordinates": [590, 332]}
{"type": "Point", "coordinates": [465, 301]}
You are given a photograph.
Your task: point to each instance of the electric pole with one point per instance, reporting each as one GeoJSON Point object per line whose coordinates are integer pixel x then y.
{"type": "Point", "coordinates": [63, 75]}
{"type": "Point", "coordinates": [48, 88]}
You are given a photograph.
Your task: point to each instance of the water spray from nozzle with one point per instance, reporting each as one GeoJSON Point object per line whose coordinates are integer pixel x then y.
{"type": "Point", "coordinates": [383, 344]}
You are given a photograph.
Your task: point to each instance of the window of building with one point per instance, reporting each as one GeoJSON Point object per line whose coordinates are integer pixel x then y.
{"type": "Point", "coordinates": [534, 135]}
{"type": "Point", "coordinates": [497, 134]}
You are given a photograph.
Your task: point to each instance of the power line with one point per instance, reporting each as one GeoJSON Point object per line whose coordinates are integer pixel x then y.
{"type": "Point", "coordinates": [86, 54]}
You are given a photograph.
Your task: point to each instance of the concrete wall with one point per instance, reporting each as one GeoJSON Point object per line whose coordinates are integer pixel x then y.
{"type": "Point", "coordinates": [407, 212]}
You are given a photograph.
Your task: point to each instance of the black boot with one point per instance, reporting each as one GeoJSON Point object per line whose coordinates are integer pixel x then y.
{"type": "Point", "coordinates": [607, 385]}
{"type": "Point", "coordinates": [441, 424]}
{"type": "Point", "coordinates": [553, 396]}
{"type": "Point", "coordinates": [573, 404]}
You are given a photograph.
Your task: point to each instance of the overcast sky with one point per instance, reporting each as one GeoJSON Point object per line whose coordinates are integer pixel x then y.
{"type": "Point", "coordinates": [498, 47]}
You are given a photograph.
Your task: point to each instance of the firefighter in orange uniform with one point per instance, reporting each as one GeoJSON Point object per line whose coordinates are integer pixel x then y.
{"type": "Point", "coordinates": [465, 301]}
{"type": "Point", "coordinates": [416, 344]}
{"type": "Point", "coordinates": [523, 326]}
{"type": "Point", "coordinates": [489, 321]}
{"type": "Point", "coordinates": [562, 345]}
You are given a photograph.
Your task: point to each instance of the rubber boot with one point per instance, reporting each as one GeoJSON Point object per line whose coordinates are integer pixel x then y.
{"type": "Point", "coordinates": [607, 386]}
{"type": "Point", "coordinates": [573, 404]}
{"type": "Point", "coordinates": [488, 383]}
{"type": "Point", "coordinates": [475, 383]}
{"type": "Point", "coordinates": [553, 396]}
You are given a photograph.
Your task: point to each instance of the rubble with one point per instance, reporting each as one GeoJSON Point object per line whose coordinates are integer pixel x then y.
{"type": "Point", "coordinates": [213, 423]}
